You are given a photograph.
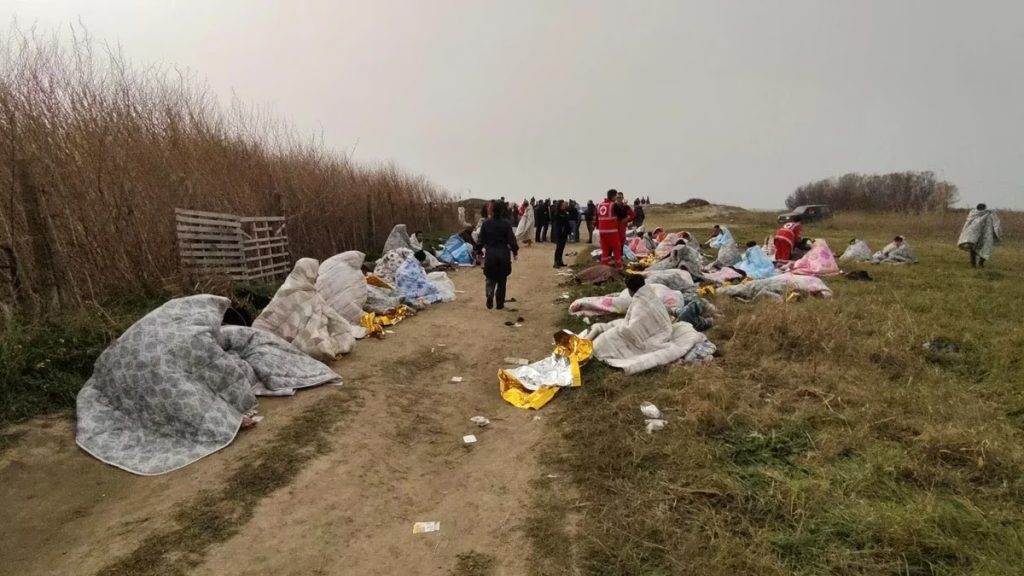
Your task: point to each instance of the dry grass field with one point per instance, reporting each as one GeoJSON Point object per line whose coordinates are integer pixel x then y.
{"type": "Point", "coordinates": [824, 440]}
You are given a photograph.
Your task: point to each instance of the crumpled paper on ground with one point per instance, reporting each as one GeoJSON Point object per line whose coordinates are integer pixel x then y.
{"type": "Point", "coordinates": [534, 385]}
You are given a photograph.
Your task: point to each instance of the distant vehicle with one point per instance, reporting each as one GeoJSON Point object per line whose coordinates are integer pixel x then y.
{"type": "Point", "coordinates": [809, 213]}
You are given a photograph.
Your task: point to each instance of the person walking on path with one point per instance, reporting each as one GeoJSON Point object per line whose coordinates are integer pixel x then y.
{"type": "Point", "coordinates": [608, 231]}
{"type": "Point", "coordinates": [591, 217]}
{"type": "Point", "coordinates": [499, 246]}
{"type": "Point", "coordinates": [981, 232]}
{"type": "Point", "coordinates": [560, 230]}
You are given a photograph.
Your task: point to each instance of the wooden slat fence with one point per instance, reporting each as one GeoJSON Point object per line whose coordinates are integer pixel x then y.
{"type": "Point", "coordinates": [243, 248]}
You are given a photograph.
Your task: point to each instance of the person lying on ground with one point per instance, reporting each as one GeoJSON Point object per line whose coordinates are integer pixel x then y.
{"type": "Point", "coordinates": [981, 232]}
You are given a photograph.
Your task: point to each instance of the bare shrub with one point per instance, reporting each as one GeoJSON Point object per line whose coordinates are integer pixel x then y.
{"type": "Point", "coordinates": [914, 192]}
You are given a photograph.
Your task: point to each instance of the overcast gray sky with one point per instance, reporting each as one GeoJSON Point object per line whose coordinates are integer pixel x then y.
{"type": "Point", "coordinates": [733, 101]}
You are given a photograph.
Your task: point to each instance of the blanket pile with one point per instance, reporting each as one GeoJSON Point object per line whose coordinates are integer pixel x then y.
{"type": "Point", "coordinates": [174, 387]}
{"type": "Point", "coordinates": [645, 338]}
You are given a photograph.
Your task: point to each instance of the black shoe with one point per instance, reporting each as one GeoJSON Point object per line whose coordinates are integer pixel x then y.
{"type": "Point", "coordinates": [490, 302]}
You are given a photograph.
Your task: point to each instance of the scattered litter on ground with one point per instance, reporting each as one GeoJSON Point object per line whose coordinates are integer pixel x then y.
{"type": "Point", "coordinates": [655, 424]}
{"type": "Point", "coordinates": [425, 527]}
{"type": "Point", "coordinates": [469, 439]}
{"type": "Point", "coordinates": [480, 421]}
{"type": "Point", "coordinates": [552, 475]}
{"type": "Point", "coordinates": [460, 291]}
{"type": "Point", "coordinates": [511, 300]}
{"type": "Point", "coordinates": [456, 379]}
{"type": "Point", "coordinates": [650, 410]}
{"type": "Point", "coordinates": [536, 417]}
{"type": "Point", "coordinates": [520, 319]}
{"type": "Point", "coordinates": [519, 361]}
{"type": "Point", "coordinates": [586, 320]}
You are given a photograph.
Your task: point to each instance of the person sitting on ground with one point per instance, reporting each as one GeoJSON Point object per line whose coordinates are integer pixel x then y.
{"type": "Point", "coordinates": [896, 252]}
{"type": "Point", "coordinates": [715, 233]}
{"type": "Point", "coordinates": [856, 251]}
{"type": "Point", "coordinates": [981, 232]}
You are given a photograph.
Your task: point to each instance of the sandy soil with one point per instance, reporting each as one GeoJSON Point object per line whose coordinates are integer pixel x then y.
{"type": "Point", "coordinates": [397, 459]}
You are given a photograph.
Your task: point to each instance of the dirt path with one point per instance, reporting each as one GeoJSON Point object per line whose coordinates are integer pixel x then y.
{"type": "Point", "coordinates": [396, 458]}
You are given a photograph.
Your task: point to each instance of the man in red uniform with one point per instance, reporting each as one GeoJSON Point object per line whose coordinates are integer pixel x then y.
{"type": "Point", "coordinates": [608, 230]}
{"type": "Point", "coordinates": [625, 215]}
{"type": "Point", "coordinates": [786, 238]}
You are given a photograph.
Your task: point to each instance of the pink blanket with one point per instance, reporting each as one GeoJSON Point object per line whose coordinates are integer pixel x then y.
{"type": "Point", "coordinates": [818, 261]}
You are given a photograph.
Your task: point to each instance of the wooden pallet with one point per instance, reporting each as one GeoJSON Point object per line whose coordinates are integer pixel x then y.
{"type": "Point", "coordinates": [245, 249]}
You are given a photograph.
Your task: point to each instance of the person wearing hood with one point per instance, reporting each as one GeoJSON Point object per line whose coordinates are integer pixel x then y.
{"type": "Point", "coordinates": [981, 233]}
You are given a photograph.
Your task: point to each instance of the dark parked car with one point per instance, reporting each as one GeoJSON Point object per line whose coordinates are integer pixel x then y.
{"type": "Point", "coordinates": [809, 213]}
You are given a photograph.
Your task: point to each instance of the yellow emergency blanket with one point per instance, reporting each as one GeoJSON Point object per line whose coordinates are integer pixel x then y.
{"type": "Point", "coordinates": [375, 323]}
{"type": "Point", "coordinates": [534, 385]}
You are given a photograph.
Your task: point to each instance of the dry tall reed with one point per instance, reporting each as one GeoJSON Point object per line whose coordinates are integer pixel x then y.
{"type": "Point", "coordinates": [96, 153]}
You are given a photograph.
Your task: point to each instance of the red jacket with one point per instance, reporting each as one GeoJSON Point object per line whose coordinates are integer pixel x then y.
{"type": "Point", "coordinates": [790, 233]}
{"type": "Point", "coordinates": [606, 220]}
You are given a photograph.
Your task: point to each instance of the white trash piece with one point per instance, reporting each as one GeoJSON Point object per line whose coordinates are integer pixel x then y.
{"type": "Point", "coordinates": [480, 421]}
{"type": "Point", "coordinates": [456, 379]}
{"type": "Point", "coordinates": [655, 424]}
{"type": "Point", "coordinates": [650, 410]}
{"type": "Point", "coordinates": [519, 361]}
{"type": "Point", "coordinates": [469, 439]}
{"type": "Point", "coordinates": [424, 527]}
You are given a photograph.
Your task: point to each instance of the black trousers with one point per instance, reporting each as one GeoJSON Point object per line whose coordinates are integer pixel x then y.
{"type": "Point", "coordinates": [542, 233]}
{"type": "Point", "coordinates": [559, 247]}
{"type": "Point", "coordinates": [496, 291]}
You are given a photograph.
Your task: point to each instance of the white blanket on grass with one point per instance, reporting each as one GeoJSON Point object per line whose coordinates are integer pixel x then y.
{"type": "Point", "coordinates": [856, 252]}
{"type": "Point", "coordinates": [646, 338]}
{"type": "Point", "coordinates": [174, 387]}
{"type": "Point", "coordinates": [777, 287]}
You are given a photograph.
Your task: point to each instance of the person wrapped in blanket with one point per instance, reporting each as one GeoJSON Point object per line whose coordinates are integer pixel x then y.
{"type": "Point", "coordinates": [981, 232]}
{"type": "Point", "coordinates": [896, 252]}
{"type": "Point", "coordinates": [699, 313]}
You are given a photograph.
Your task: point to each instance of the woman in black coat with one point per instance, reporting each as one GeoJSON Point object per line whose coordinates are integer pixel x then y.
{"type": "Point", "coordinates": [497, 240]}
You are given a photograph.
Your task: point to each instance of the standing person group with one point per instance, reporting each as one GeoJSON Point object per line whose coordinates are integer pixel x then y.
{"type": "Point", "coordinates": [498, 247]}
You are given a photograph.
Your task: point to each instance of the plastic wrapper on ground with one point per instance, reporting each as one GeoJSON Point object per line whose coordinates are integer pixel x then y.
{"type": "Point", "coordinates": [534, 385]}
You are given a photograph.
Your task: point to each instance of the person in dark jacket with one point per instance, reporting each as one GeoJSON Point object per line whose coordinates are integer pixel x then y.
{"type": "Point", "coordinates": [560, 230]}
{"type": "Point", "coordinates": [638, 214]}
{"type": "Point", "coordinates": [590, 215]}
{"type": "Point", "coordinates": [574, 221]}
{"type": "Point", "coordinates": [541, 215]}
{"type": "Point", "coordinates": [497, 240]}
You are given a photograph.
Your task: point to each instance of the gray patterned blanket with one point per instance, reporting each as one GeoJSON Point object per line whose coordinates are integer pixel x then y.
{"type": "Point", "coordinates": [174, 387]}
